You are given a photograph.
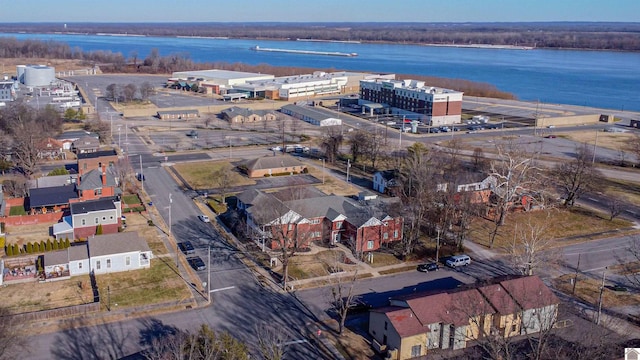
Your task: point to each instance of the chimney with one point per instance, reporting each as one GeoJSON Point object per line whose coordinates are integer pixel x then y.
{"type": "Point", "coordinates": [104, 175]}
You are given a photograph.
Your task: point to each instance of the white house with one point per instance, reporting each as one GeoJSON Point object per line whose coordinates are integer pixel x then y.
{"type": "Point", "coordinates": [383, 180]}
{"type": "Point", "coordinates": [118, 252]}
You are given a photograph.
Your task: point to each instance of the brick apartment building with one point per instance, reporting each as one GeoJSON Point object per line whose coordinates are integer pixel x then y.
{"type": "Point", "coordinates": [309, 216]}
{"type": "Point", "coordinates": [94, 160]}
{"type": "Point", "coordinates": [430, 105]}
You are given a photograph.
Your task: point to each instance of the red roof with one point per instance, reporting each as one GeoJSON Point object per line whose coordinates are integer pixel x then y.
{"type": "Point", "coordinates": [500, 299]}
{"type": "Point", "coordinates": [530, 292]}
{"type": "Point", "coordinates": [430, 309]}
{"type": "Point", "coordinates": [405, 322]}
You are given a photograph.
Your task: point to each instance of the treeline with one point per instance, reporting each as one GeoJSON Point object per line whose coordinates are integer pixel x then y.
{"type": "Point", "coordinates": [571, 35]}
{"type": "Point", "coordinates": [155, 64]}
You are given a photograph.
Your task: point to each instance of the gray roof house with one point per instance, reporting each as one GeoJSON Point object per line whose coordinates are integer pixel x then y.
{"type": "Point", "coordinates": [118, 252]}
{"type": "Point", "coordinates": [85, 144]}
{"type": "Point", "coordinates": [241, 115]}
{"type": "Point", "coordinates": [51, 196]}
{"type": "Point", "coordinates": [312, 115]}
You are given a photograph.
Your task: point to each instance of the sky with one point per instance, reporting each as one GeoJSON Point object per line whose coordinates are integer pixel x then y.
{"type": "Point", "coordinates": [318, 10]}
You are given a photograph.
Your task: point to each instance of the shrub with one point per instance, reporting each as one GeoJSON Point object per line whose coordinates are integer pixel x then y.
{"type": "Point", "coordinates": [29, 248]}
{"type": "Point", "coordinates": [2, 241]}
{"type": "Point", "coordinates": [36, 247]}
{"type": "Point", "coordinates": [66, 243]}
{"type": "Point", "coordinates": [99, 229]}
{"type": "Point", "coordinates": [8, 250]}
{"type": "Point", "coordinates": [17, 210]}
{"type": "Point", "coordinates": [150, 222]}
{"type": "Point", "coordinates": [305, 171]}
{"type": "Point", "coordinates": [55, 245]}
{"type": "Point", "coordinates": [16, 249]}
{"type": "Point", "coordinates": [48, 245]}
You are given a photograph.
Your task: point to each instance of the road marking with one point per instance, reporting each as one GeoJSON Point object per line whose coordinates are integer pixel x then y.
{"type": "Point", "coordinates": [592, 199]}
{"type": "Point", "coordinates": [222, 289]}
{"type": "Point", "coordinates": [631, 212]}
{"type": "Point", "coordinates": [301, 341]}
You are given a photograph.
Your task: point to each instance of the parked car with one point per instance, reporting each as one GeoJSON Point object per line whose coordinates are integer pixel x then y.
{"type": "Point", "coordinates": [551, 136]}
{"type": "Point", "coordinates": [276, 148]}
{"type": "Point", "coordinates": [428, 267]}
{"type": "Point", "coordinates": [193, 134]}
{"type": "Point", "coordinates": [204, 218]}
{"type": "Point", "coordinates": [140, 177]}
{"type": "Point", "coordinates": [186, 247]}
{"type": "Point", "coordinates": [196, 263]}
{"type": "Point", "coordinates": [458, 260]}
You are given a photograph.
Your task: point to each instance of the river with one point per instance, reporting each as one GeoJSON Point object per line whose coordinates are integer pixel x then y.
{"type": "Point", "coordinates": [602, 79]}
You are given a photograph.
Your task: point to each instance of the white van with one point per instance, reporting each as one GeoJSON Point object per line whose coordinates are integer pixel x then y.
{"type": "Point", "coordinates": [458, 260]}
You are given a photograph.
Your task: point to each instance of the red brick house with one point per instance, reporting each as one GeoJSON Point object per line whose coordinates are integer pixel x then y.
{"type": "Point", "coordinates": [315, 217]}
{"type": "Point", "coordinates": [86, 216]}
{"type": "Point", "coordinates": [96, 184]}
{"type": "Point", "coordinates": [94, 160]}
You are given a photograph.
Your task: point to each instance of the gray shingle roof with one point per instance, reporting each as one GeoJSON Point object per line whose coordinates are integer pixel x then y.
{"type": "Point", "coordinates": [117, 243]}
{"type": "Point", "coordinates": [97, 154]}
{"type": "Point", "coordinates": [78, 252]}
{"type": "Point", "coordinates": [272, 162]}
{"type": "Point", "coordinates": [93, 180]}
{"type": "Point", "coordinates": [93, 205]}
{"type": "Point", "coordinates": [56, 258]}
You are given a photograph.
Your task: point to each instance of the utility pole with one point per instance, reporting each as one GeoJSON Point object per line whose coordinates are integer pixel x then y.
{"type": "Point", "coordinates": [209, 275]}
{"type": "Point", "coordinates": [141, 174]}
{"type": "Point", "coordinates": [348, 166]}
{"type": "Point", "coordinates": [600, 297]}
{"type": "Point", "coordinates": [108, 298]}
{"type": "Point", "coordinates": [595, 146]}
{"type": "Point", "coordinates": [322, 171]}
{"type": "Point", "coordinates": [575, 277]}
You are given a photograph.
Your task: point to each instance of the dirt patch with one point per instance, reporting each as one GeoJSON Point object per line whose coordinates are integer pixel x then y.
{"type": "Point", "coordinates": [565, 225]}
{"type": "Point", "coordinates": [138, 222]}
{"type": "Point", "coordinates": [28, 297]}
{"type": "Point", "coordinates": [350, 344]}
{"type": "Point", "coordinates": [319, 264]}
{"type": "Point", "coordinates": [385, 259]}
{"type": "Point", "coordinates": [23, 234]}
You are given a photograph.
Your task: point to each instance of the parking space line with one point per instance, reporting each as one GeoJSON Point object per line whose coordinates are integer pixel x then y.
{"type": "Point", "coordinates": [222, 289]}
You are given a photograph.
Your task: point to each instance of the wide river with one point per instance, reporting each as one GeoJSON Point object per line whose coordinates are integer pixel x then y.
{"type": "Point", "coordinates": [590, 78]}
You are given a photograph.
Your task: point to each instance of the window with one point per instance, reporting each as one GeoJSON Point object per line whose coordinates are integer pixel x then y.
{"type": "Point", "coordinates": [416, 350]}
{"type": "Point", "coordinates": [105, 218]}
{"type": "Point", "coordinates": [395, 233]}
{"type": "Point", "coordinates": [386, 324]}
{"type": "Point", "coordinates": [290, 227]}
{"type": "Point", "coordinates": [98, 267]}
{"type": "Point", "coordinates": [513, 328]}
{"type": "Point", "coordinates": [96, 220]}
{"type": "Point", "coordinates": [370, 244]}
{"type": "Point", "coordinates": [97, 192]}
{"type": "Point", "coordinates": [108, 263]}
{"type": "Point", "coordinates": [315, 221]}
{"type": "Point", "coordinates": [317, 234]}
{"type": "Point", "coordinates": [80, 265]}
{"type": "Point", "coordinates": [84, 222]}
{"type": "Point", "coordinates": [339, 225]}
{"type": "Point", "coordinates": [385, 236]}
{"type": "Point", "coordinates": [127, 260]}
{"type": "Point", "coordinates": [111, 217]}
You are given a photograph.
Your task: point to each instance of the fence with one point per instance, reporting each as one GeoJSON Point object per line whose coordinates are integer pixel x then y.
{"type": "Point", "coordinates": [69, 311]}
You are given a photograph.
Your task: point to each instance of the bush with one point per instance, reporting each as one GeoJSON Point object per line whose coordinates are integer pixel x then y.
{"type": "Point", "coordinates": [29, 248]}
{"type": "Point", "coordinates": [99, 230]}
{"type": "Point", "coordinates": [305, 171]}
{"type": "Point", "coordinates": [55, 245]}
{"type": "Point", "coordinates": [2, 241]}
{"type": "Point", "coordinates": [43, 246]}
{"type": "Point", "coordinates": [8, 250]}
{"type": "Point", "coordinates": [134, 209]}
{"type": "Point", "coordinates": [16, 249]}
{"type": "Point", "coordinates": [66, 243]}
{"type": "Point", "coordinates": [36, 247]}
{"type": "Point", "coordinates": [48, 245]}
{"type": "Point", "coordinates": [150, 222]}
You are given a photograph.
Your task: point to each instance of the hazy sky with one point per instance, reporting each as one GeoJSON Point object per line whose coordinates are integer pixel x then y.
{"type": "Point", "coordinates": [318, 10]}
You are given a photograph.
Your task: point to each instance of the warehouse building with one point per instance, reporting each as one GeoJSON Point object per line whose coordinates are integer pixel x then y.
{"type": "Point", "coordinates": [415, 100]}
{"type": "Point", "coordinates": [36, 75]}
{"type": "Point", "coordinates": [312, 115]}
{"type": "Point", "coordinates": [216, 81]}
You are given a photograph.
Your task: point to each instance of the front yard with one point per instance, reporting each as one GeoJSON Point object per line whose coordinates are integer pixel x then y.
{"type": "Point", "coordinates": [564, 225]}
{"type": "Point", "coordinates": [159, 283]}
{"type": "Point", "coordinates": [34, 296]}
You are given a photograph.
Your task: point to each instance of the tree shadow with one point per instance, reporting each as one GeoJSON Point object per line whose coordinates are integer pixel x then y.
{"type": "Point", "coordinates": [80, 341]}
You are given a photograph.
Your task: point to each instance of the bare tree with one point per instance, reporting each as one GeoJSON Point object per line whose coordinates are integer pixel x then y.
{"type": "Point", "coordinates": [633, 146]}
{"type": "Point", "coordinates": [479, 160]}
{"type": "Point", "coordinates": [615, 208]}
{"type": "Point", "coordinates": [129, 92]}
{"type": "Point", "coordinates": [578, 176]}
{"type": "Point", "coordinates": [223, 177]}
{"type": "Point", "coordinates": [146, 90]}
{"type": "Point", "coordinates": [357, 142]}
{"type": "Point", "coordinates": [271, 341]}
{"type": "Point", "coordinates": [513, 173]}
{"type": "Point", "coordinates": [530, 247]}
{"type": "Point", "coordinates": [343, 298]}
{"type": "Point", "coordinates": [331, 142]}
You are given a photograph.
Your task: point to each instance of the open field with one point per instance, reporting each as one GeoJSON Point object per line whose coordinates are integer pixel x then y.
{"type": "Point", "coordinates": [559, 224]}
{"type": "Point", "coordinates": [199, 175]}
{"type": "Point", "coordinates": [159, 283]}
{"type": "Point", "coordinates": [34, 296]}
{"type": "Point", "coordinates": [626, 190]}
{"type": "Point", "coordinates": [609, 140]}
{"type": "Point", "coordinates": [22, 234]}
{"type": "Point", "coordinates": [60, 64]}
{"type": "Point", "coordinates": [588, 290]}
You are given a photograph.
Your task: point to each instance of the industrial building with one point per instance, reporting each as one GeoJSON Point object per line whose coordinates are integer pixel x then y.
{"type": "Point", "coordinates": [6, 91]}
{"type": "Point", "coordinates": [216, 81]}
{"type": "Point", "coordinates": [36, 75]}
{"type": "Point", "coordinates": [313, 115]}
{"type": "Point", "coordinates": [307, 85]}
{"type": "Point", "coordinates": [413, 99]}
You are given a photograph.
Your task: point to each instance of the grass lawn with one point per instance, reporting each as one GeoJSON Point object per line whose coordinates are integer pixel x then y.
{"type": "Point", "coordinates": [384, 259]}
{"type": "Point", "coordinates": [609, 140]}
{"type": "Point", "coordinates": [310, 266]}
{"type": "Point", "coordinates": [34, 296]}
{"type": "Point", "coordinates": [199, 175]}
{"type": "Point", "coordinates": [588, 289]}
{"type": "Point", "coordinates": [157, 284]}
{"type": "Point", "coordinates": [131, 199]}
{"type": "Point", "coordinates": [137, 222]}
{"type": "Point", "coordinates": [560, 223]}
{"type": "Point", "coordinates": [17, 210]}
{"type": "Point", "coordinates": [627, 190]}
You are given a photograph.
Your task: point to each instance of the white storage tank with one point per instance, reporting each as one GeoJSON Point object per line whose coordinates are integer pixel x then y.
{"type": "Point", "coordinates": [39, 75]}
{"type": "Point", "coordinates": [20, 73]}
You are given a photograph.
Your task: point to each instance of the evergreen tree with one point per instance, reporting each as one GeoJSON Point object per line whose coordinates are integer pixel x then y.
{"type": "Point", "coordinates": [9, 250]}
{"type": "Point", "coordinates": [36, 247]}
{"type": "Point", "coordinates": [43, 246]}
{"type": "Point", "coordinates": [48, 245]}
{"type": "Point", "coordinates": [66, 243]}
{"type": "Point", "coordinates": [56, 245]}
{"type": "Point", "coordinates": [29, 248]}
{"type": "Point", "coordinates": [99, 230]}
